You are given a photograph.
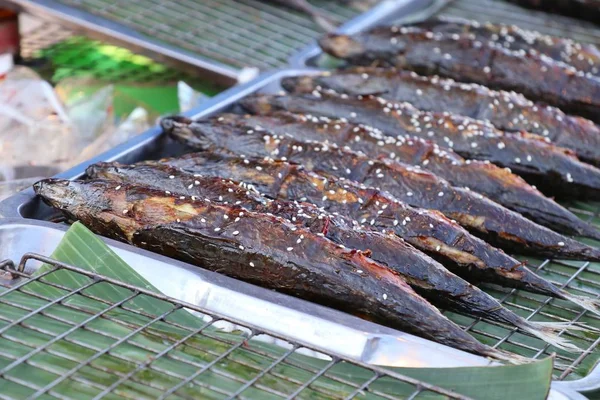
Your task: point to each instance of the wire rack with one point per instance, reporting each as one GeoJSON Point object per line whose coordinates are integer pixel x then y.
{"type": "Point", "coordinates": [244, 33]}
{"type": "Point", "coordinates": [502, 12]}
{"type": "Point", "coordinates": [67, 341]}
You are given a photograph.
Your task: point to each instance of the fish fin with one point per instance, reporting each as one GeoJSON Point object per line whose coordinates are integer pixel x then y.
{"type": "Point", "coordinates": [549, 332]}
{"type": "Point", "coordinates": [592, 305]}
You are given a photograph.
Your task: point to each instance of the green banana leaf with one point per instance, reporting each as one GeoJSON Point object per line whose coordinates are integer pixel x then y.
{"type": "Point", "coordinates": [137, 320]}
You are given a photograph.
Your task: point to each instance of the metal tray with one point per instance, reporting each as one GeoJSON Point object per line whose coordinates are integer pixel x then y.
{"type": "Point", "coordinates": [152, 144]}
{"type": "Point", "coordinates": [496, 11]}
{"type": "Point", "coordinates": [227, 39]}
{"type": "Point", "coordinates": [241, 311]}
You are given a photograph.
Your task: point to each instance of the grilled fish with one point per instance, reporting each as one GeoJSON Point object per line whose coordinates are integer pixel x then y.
{"type": "Point", "coordinates": [508, 111]}
{"type": "Point", "coordinates": [429, 231]}
{"type": "Point", "coordinates": [257, 248]}
{"type": "Point", "coordinates": [536, 76]}
{"type": "Point", "coordinates": [583, 9]}
{"type": "Point", "coordinates": [584, 57]}
{"type": "Point", "coordinates": [430, 279]}
{"type": "Point", "coordinates": [413, 186]}
{"type": "Point", "coordinates": [554, 170]}
{"type": "Point", "coordinates": [494, 182]}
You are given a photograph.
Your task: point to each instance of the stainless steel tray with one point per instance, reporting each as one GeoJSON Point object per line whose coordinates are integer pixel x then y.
{"type": "Point", "coordinates": [227, 39]}
{"type": "Point", "coordinates": [152, 144]}
{"type": "Point", "coordinates": [281, 320]}
{"type": "Point", "coordinates": [240, 315]}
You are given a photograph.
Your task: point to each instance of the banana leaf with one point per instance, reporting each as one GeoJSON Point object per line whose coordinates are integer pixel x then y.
{"type": "Point", "coordinates": [121, 345]}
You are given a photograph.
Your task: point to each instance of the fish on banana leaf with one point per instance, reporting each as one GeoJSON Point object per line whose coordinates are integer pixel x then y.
{"type": "Point", "coordinates": [555, 170]}
{"type": "Point", "coordinates": [257, 248]}
{"type": "Point", "coordinates": [508, 111]}
{"type": "Point", "coordinates": [535, 75]}
{"type": "Point", "coordinates": [426, 276]}
{"type": "Point", "coordinates": [496, 183]}
{"type": "Point", "coordinates": [413, 186]}
{"type": "Point", "coordinates": [429, 231]}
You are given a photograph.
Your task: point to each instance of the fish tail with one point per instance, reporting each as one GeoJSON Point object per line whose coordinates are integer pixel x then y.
{"type": "Point", "coordinates": [549, 332]}
{"type": "Point", "coordinates": [592, 305]}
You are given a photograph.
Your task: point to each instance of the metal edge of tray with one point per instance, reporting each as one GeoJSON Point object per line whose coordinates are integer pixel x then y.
{"type": "Point", "coordinates": [18, 207]}
{"type": "Point", "coordinates": [20, 204]}
{"type": "Point", "coordinates": [104, 29]}
{"type": "Point", "coordinates": [315, 325]}
{"type": "Point", "coordinates": [385, 12]}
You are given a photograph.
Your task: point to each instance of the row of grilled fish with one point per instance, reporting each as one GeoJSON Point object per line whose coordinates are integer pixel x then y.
{"type": "Point", "coordinates": [353, 188]}
{"type": "Point", "coordinates": [351, 214]}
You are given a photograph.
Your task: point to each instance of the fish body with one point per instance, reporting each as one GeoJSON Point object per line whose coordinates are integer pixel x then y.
{"type": "Point", "coordinates": [426, 276]}
{"type": "Point", "coordinates": [413, 186]}
{"type": "Point", "coordinates": [257, 248]}
{"type": "Point", "coordinates": [584, 57]}
{"type": "Point", "coordinates": [427, 230]}
{"type": "Point", "coordinates": [554, 170]}
{"type": "Point", "coordinates": [507, 111]}
{"type": "Point", "coordinates": [536, 76]}
{"type": "Point", "coordinates": [494, 182]}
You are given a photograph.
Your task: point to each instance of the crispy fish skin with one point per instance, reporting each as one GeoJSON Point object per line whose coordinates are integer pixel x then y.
{"type": "Point", "coordinates": [485, 178]}
{"type": "Point", "coordinates": [427, 230]}
{"type": "Point", "coordinates": [257, 248]}
{"type": "Point", "coordinates": [426, 276]}
{"type": "Point", "coordinates": [415, 187]}
{"type": "Point", "coordinates": [536, 76]}
{"type": "Point", "coordinates": [583, 9]}
{"type": "Point", "coordinates": [508, 111]}
{"type": "Point", "coordinates": [554, 170]}
{"type": "Point", "coordinates": [584, 57]}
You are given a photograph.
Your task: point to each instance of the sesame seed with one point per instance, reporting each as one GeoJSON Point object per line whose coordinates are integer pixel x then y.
{"type": "Point", "coordinates": [225, 216]}
{"type": "Point", "coordinates": [251, 264]}
{"type": "Point", "coordinates": [440, 194]}
{"type": "Point", "coordinates": [438, 248]}
{"type": "Point", "coordinates": [178, 220]}
{"type": "Point", "coordinates": [217, 229]}
{"type": "Point", "coordinates": [118, 187]}
{"type": "Point", "coordinates": [125, 211]}
{"type": "Point", "coordinates": [241, 247]}
{"type": "Point", "coordinates": [359, 271]}
{"type": "Point", "coordinates": [501, 145]}
{"type": "Point", "coordinates": [290, 248]}
{"type": "Point", "coordinates": [384, 296]}
{"type": "Point", "coordinates": [409, 194]}
{"type": "Point", "coordinates": [202, 220]}
{"type": "Point", "coordinates": [235, 233]}
{"type": "Point", "coordinates": [517, 160]}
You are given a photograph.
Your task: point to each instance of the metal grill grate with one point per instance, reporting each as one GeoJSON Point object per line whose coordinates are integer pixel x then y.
{"type": "Point", "coordinates": [245, 33]}
{"type": "Point", "coordinates": [65, 340]}
{"type": "Point", "coordinates": [502, 12]}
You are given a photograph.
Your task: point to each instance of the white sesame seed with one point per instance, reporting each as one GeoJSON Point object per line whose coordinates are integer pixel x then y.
{"type": "Point", "coordinates": [438, 248]}
{"type": "Point", "coordinates": [235, 233]}
{"type": "Point", "coordinates": [561, 244]}
{"type": "Point", "coordinates": [251, 264]}
{"type": "Point", "coordinates": [241, 247]}
{"type": "Point", "coordinates": [384, 296]}
{"type": "Point", "coordinates": [440, 194]}
{"type": "Point", "coordinates": [290, 248]}
{"type": "Point", "coordinates": [125, 211]}
{"type": "Point", "coordinates": [118, 187]}
{"type": "Point", "coordinates": [217, 229]}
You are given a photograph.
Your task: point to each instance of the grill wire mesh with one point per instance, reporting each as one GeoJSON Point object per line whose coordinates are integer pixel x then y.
{"type": "Point", "coordinates": [65, 341]}
{"type": "Point", "coordinates": [244, 33]}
